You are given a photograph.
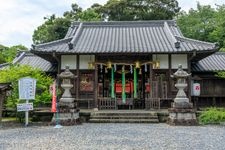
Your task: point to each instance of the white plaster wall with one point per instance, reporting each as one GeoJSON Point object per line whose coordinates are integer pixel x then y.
{"type": "Point", "coordinates": [163, 59]}
{"type": "Point", "coordinates": [179, 59]}
{"type": "Point", "coordinates": [68, 60]}
{"type": "Point", "coordinates": [84, 59]}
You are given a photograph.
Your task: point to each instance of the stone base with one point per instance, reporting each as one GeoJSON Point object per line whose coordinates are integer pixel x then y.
{"type": "Point", "coordinates": [182, 105]}
{"type": "Point", "coordinates": [67, 119]}
{"type": "Point", "coordinates": [181, 116]}
{"type": "Point", "coordinates": [66, 100]}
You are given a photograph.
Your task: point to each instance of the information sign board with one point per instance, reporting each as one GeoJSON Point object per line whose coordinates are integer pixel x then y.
{"type": "Point", "coordinates": [27, 88]}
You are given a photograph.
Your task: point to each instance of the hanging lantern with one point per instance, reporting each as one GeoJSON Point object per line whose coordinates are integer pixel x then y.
{"type": "Point", "coordinates": [109, 65]}
{"type": "Point", "coordinates": [140, 71]}
{"type": "Point", "coordinates": [106, 71]}
{"type": "Point", "coordinates": [146, 68]}
{"type": "Point", "coordinates": [131, 69]}
{"type": "Point", "coordinates": [157, 64]}
{"type": "Point", "coordinates": [114, 67]}
{"type": "Point", "coordinates": [137, 64]}
{"type": "Point", "coordinates": [101, 66]}
{"type": "Point", "coordinates": [90, 65]}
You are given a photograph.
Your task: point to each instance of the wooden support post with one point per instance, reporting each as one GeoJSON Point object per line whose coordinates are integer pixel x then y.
{"type": "Point", "coordinates": [78, 76]}
{"type": "Point", "coordinates": [170, 79]}
{"type": "Point", "coordinates": [189, 78]}
{"type": "Point", "coordinates": [96, 87]}
{"type": "Point", "coordinates": [151, 77]}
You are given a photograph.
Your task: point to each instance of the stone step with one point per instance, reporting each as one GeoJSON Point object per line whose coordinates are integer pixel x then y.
{"type": "Point", "coordinates": [124, 121]}
{"type": "Point", "coordinates": [123, 114]}
{"type": "Point", "coordinates": [124, 117]}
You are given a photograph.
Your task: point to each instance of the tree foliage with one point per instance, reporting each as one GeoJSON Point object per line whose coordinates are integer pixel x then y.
{"type": "Point", "coordinates": [7, 54]}
{"type": "Point", "coordinates": [15, 72]}
{"type": "Point", "coordinates": [205, 23]}
{"type": "Point", "coordinates": [140, 9]}
{"type": "Point", "coordinates": [52, 29]}
{"type": "Point", "coordinates": [55, 28]}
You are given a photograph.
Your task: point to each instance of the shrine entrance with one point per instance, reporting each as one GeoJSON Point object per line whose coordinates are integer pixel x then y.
{"type": "Point", "coordinates": [123, 85]}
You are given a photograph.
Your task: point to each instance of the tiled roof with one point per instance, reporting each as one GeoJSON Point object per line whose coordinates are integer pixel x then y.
{"type": "Point", "coordinates": [124, 37]}
{"type": "Point", "coordinates": [214, 62]}
{"type": "Point", "coordinates": [27, 58]}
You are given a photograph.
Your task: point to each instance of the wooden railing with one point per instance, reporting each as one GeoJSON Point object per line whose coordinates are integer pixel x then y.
{"type": "Point", "coordinates": [106, 103]}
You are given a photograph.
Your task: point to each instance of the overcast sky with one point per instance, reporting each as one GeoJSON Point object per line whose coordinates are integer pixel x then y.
{"type": "Point", "coordinates": [19, 18]}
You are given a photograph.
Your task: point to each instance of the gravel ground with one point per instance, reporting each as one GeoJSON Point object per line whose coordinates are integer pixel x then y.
{"type": "Point", "coordinates": [114, 136]}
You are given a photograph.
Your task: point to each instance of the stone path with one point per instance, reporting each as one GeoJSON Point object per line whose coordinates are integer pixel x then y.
{"type": "Point", "coordinates": [114, 136]}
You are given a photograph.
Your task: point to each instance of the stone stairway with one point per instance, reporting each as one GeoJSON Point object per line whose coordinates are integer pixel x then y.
{"type": "Point", "coordinates": [124, 117]}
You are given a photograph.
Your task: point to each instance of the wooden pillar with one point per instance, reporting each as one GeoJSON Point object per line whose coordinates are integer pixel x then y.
{"type": "Point", "coordinates": [170, 79]}
{"type": "Point", "coordinates": [78, 77]}
{"type": "Point", "coordinates": [151, 76]}
{"type": "Point", "coordinates": [189, 78]}
{"type": "Point", "coordinates": [96, 87]}
{"type": "Point", "coordinates": [143, 83]}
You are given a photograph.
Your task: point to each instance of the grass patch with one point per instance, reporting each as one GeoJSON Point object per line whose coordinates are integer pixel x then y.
{"type": "Point", "coordinates": [6, 119]}
{"type": "Point", "coordinates": [212, 115]}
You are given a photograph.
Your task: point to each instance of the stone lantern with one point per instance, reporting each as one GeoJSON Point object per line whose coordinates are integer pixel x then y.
{"type": "Point", "coordinates": [68, 113]}
{"type": "Point", "coordinates": [182, 112]}
{"type": "Point", "coordinates": [66, 77]}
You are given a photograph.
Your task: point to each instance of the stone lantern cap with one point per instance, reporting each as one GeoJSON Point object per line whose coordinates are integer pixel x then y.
{"type": "Point", "coordinates": [180, 73]}
{"type": "Point", "coordinates": [67, 74]}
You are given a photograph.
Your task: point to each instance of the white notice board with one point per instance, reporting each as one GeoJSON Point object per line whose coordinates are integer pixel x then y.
{"type": "Point", "coordinates": [25, 107]}
{"type": "Point", "coordinates": [27, 88]}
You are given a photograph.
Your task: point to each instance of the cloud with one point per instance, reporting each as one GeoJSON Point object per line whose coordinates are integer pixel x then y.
{"type": "Point", "coordinates": [87, 3]}
{"type": "Point", "coordinates": [21, 17]}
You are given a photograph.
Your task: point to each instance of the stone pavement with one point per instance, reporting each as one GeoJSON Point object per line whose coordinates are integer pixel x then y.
{"type": "Point", "coordinates": [114, 136]}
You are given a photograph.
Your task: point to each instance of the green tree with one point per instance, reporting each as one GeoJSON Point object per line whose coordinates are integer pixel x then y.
{"type": "Point", "coordinates": [2, 58]}
{"type": "Point", "coordinates": [140, 9]}
{"type": "Point", "coordinates": [218, 34]}
{"type": "Point", "coordinates": [205, 23]}
{"type": "Point", "coordinates": [116, 10]}
{"type": "Point", "coordinates": [52, 29]}
{"type": "Point", "coordinates": [7, 54]}
{"type": "Point", "coordinates": [197, 24]}
{"type": "Point", "coordinates": [15, 72]}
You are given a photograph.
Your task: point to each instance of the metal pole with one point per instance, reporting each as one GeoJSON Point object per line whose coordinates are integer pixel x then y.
{"type": "Point", "coordinates": [26, 114]}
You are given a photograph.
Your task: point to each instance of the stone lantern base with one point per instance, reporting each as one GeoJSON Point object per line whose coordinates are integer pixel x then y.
{"type": "Point", "coordinates": [68, 114]}
{"type": "Point", "coordinates": [182, 114]}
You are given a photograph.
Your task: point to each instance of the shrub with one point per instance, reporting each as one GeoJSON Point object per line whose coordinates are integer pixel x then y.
{"type": "Point", "coordinates": [15, 72]}
{"type": "Point", "coordinates": [212, 116]}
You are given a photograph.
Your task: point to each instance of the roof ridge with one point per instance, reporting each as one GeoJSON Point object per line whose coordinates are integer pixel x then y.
{"type": "Point", "coordinates": [52, 42]}
{"type": "Point", "coordinates": [193, 40]}
{"type": "Point", "coordinates": [4, 64]}
{"type": "Point", "coordinates": [88, 23]}
{"type": "Point", "coordinates": [219, 53]}
{"type": "Point", "coordinates": [169, 32]}
{"type": "Point", "coordinates": [72, 43]}
{"type": "Point", "coordinates": [17, 59]}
